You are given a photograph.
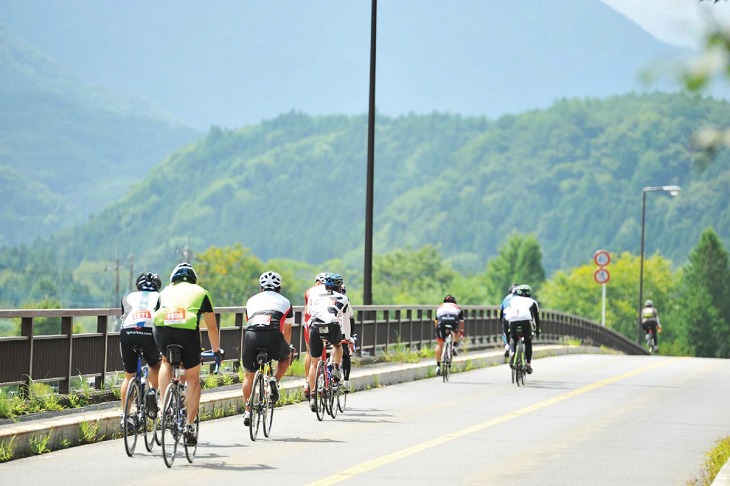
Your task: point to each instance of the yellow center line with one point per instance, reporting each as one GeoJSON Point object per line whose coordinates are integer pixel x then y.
{"type": "Point", "coordinates": [409, 451]}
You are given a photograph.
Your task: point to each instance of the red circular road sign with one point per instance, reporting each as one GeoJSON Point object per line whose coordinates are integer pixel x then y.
{"type": "Point", "coordinates": [602, 258]}
{"type": "Point", "coordinates": [601, 276]}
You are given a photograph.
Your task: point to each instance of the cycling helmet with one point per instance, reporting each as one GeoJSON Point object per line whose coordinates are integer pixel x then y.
{"type": "Point", "coordinates": [149, 281]}
{"type": "Point", "coordinates": [184, 271]}
{"type": "Point", "coordinates": [270, 280]}
{"type": "Point", "coordinates": [343, 289]}
{"type": "Point", "coordinates": [333, 281]}
{"type": "Point", "coordinates": [320, 277]}
{"type": "Point", "coordinates": [524, 290]}
{"type": "Point", "coordinates": [649, 303]}
{"type": "Point", "coordinates": [450, 298]}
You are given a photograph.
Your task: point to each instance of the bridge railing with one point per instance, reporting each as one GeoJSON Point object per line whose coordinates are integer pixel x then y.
{"type": "Point", "coordinates": [61, 357]}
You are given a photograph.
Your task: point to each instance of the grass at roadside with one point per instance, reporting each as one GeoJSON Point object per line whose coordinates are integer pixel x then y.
{"type": "Point", "coordinates": [715, 458]}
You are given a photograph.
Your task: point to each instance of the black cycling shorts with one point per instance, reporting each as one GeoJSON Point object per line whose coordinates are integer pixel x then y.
{"type": "Point", "coordinates": [187, 338]}
{"type": "Point", "coordinates": [318, 330]}
{"type": "Point", "coordinates": [444, 327]}
{"type": "Point", "coordinates": [649, 324]}
{"type": "Point", "coordinates": [524, 328]}
{"type": "Point", "coordinates": [131, 337]}
{"type": "Point", "coordinates": [271, 339]}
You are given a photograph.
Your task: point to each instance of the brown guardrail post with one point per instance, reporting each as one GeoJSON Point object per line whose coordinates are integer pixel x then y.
{"type": "Point", "coordinates": [101, 327]}
{"type": "Point", "coordinates": [26, 329]}
{"type": "Point", "coordinates": [67, 330]}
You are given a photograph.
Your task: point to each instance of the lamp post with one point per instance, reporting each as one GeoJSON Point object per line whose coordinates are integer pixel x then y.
{"type": "Point", "coordinates": [673, 191]}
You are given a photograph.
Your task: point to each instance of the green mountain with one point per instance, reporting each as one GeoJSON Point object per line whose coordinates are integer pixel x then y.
{"type": "Point", "coordinates": [294, 186]}
{"type": "Point", "coordinates": [67, 148]}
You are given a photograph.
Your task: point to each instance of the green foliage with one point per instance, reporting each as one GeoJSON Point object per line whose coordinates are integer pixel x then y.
{"type": "Point", "coordinates": [705, 297]}
{"type": "Point", "coordinates": [7, 451]}
{"type": "Point", "coordinates": [89, 432]}
{"type": "Point", "coordinates": [230, 274]}
{"type": "Point", "coordinates": [519, 261]}
{"type": "Point", "coordinates": [411, 276]}
{"type": "Point", "coordinates": [715, 459]}
{"type": "Point", "coordinates": [576, 292]}
{"type": "Point", "coordinates": [39, 444]}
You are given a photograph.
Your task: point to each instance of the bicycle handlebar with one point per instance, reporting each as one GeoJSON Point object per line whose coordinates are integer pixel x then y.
{"type": "Point", "coordinates": [208, 353]}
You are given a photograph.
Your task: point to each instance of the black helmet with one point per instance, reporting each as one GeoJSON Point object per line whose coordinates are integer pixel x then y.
{"type": "Point", "coordinates": [184, 272]}
{"type": "Point", "coordinates": [149, 281]}
{"type": "Point", "coordinates": [450, 298]}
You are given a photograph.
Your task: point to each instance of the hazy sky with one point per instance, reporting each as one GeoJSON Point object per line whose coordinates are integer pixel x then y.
{"type": "Point", "coordinates": [677, 22]}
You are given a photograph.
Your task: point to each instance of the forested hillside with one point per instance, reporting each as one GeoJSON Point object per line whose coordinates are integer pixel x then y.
{"type": "Point", "coordinates": [68, 149]}
{"type": "Point", "coordinates": [294, 186]}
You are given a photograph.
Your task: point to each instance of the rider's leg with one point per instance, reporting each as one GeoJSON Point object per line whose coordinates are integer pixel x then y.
{"type": "Point", "coordinates": [247, 385]}
{"type": "Point", "coordinates": [125, 384]}
{"type": "Point", "coordinates": [192, 397]}
{"type": "Point", "coordinates": [346, 362]}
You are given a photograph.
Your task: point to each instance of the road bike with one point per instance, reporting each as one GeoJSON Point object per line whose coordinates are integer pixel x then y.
{"type": "Point", "coordinates": [649, 337]}
{"type": "Point", "coordinates": [343, 391]}
{"type": "Point", "coordinates": [325, 387]}
{"type": "Point", "coordinates": [260, 403]}
{"type": "Point", "coordinates": [518, 362]}
{"type": "Point", "coordinates": [136, 417]}
{"type": "Point", "coordinates": [174, 413]}
{"type": "Point", "coordinates": [447, 353]}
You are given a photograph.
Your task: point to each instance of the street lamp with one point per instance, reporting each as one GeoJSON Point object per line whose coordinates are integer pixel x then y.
{"type": "Point", "coordinates": [673, 191]}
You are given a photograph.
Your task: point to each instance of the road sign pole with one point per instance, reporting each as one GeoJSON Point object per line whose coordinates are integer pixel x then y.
{"type": "Point", "coordinates": [603, 309]}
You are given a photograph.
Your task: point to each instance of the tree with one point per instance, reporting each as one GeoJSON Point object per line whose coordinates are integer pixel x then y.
{"type": "Point", "coordinates": [519, 261]}
{"type": "Point", "coordinates": [576, 292]}
{"type": "Point", "coordinates": [409, 276]}
{"type": "Point", "coordinates": [704, 294]}
{"type": "Point", "coordinates": [230, 274]}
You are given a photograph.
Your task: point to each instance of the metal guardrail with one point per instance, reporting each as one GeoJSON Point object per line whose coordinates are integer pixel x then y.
{"type": "Point", "coordinates": [61, 357]}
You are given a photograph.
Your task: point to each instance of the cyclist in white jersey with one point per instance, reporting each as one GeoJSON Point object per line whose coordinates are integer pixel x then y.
{"type": "Point", "coordinates": [327, 310]}
{"type": "Point", "coordinates": [348, 323]}
{"type": "Point", "coordinates": [316, 289]}
{"type": "Point", "coordinates": [521, 312]}
{"type": "Point", "coordinates": [269, 316]}
{"type": "Point", "coordinates": [137, 323]}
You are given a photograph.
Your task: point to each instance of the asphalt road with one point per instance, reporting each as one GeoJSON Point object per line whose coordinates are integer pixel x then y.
{"type": "Point", "coordinates": [580, 419]}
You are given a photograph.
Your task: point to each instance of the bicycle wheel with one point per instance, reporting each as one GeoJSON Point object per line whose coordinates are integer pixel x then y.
{"type": "Point", "coordinates": [446, 363]}
{"type": "Point", "coordinates": [256, 405]}
{"type": "Point", "coordinates": [268, 407]}
{"type": "Point", "coordinates": [150, 429]}
{"type": "Point", "coordinates": [342, 398]}
{"type": "Point", "coordinates": [171, 424]}
{"type": "Point", "coordinates": [190, 450]}
{"type": "Point", "coordinates": [334, 391]}
{"type": "Point", "coordinates": [130, 417]}
{"type": "Point", "coordinates": [320, 391]}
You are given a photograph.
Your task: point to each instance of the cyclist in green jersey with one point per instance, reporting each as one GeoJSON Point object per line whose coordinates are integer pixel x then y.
{"type": "Point", "coordinates": [177, 321]}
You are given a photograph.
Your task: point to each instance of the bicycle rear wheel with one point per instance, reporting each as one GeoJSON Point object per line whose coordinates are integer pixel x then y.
{"type": "Point", "coordinates": [171, 424]}
{"type": "Point", "coordinates": [150, 430]}
{"type": "Point", "coordinates": [190, 450]}
{"type": "Point", "coordinates": [256, 405]}
{"type": "Point", "coordinates": [130, 417]}
{"type": "Point", "coordinates": [319, 391]}
{"type": "Point", "coordinates": [334, 392]}
{"type": "Point", "coordinates": [446, 363]}
{"type": "Point", "coordinates": [342, 398]}
{"type": "Point", "coordinates": [268, 406]}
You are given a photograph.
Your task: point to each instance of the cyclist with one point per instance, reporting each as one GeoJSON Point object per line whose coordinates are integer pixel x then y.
{"type": "Point", "coordinates": [269, 316]}
{"type": "Point", "coordinates": [137, 324]}
{"type": "Point", "coordinates": [182, 305]}
{"type": "Point", "coordinates": [308, 296]}
{"type": "Point", "coordinates": [327, 309]}
{"type": "Point", "coordinates": [521, 312]}
{"type": "Point", "coordinates": [505, 303]}
{"type": "Point", "coordinates": [449, 313]}
{"type": "Point", "coordinates": [348, 323]}
{"type": "Point", "coordinates": [650, 320]}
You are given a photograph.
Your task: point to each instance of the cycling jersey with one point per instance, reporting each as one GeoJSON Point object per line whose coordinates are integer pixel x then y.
{"type": "Point", "coordinates": [181, 305]}
{"type": "Point", "coordinates": [138, 308]}
{"type": "Point", "coordinates": [329, 306]}
{"type": "Point", "coordinates": [449, 311]}
{"type": "Point", "coordinates": [268, 310]}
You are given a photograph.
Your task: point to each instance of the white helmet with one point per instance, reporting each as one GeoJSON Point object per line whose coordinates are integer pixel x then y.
{"type": "Point", "coordinates": [319, 278]}
{"type": "Point", "coordinates": [270, 280]}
